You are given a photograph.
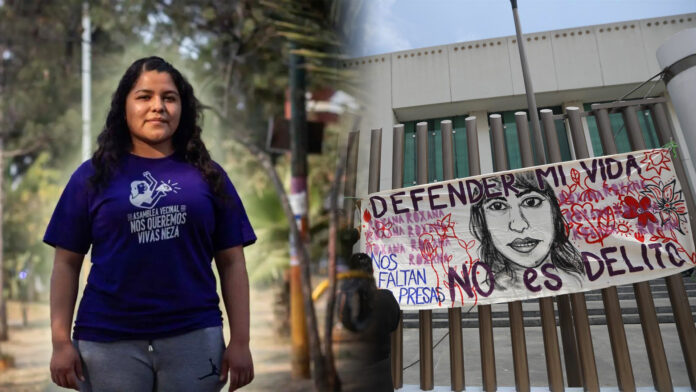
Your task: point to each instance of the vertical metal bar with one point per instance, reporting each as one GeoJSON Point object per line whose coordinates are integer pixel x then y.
{"type": "Point", "coordinates": [551, 349]}
{"type": "Point", "coordinates": [548, 318]}
{"type": "Point", "coordinates": [675, 284]}
{"type": "Point", "coordinates": [653, 338]}
{"type": "Point", "coordinates": [397, 337]}
{"type": "Point", "coordinates": [447, 150]}
{"type": "Point", "coordinates": [519, 344]}
{"type": "Point", "coordinates": [500, 155]}
{"type": "Point", "coordinates": [685, 324]}
{"type": "Point", "coordinates": [519, 347]}
{"type": "Point", "coordinates": [588, 366]}
{"type": "Point", "coordinates": [590, 380]}
{"type": "Point", "coordinates": [551, 136]}
{"type": "Point", "coordinates": [571, 354]}
{"type": "Point", "coordinates": [398, 156]}
{"type": "Point", "coordinates": [606, 133]}
{"type": "Point", "coordinates": [472, 145]}
{"type": "Point", "coordinates": [617, 338]}
{"type": "Point", "coordinates": [565, 317]}
{"type": "Point", "coordinates": [375, 160]}
{"type": "Point", "coordinates": [490, 383]}
{"type": "Point", "coordinates": [646, 307]}
{"type": "Point", "coordinates": [610, 296]}
{"type": "Point", "coordinates": [456, 348]}
{"type": "Point", "coordinates": [577, 132]}
{"type": "Point", "coordinates": [425, 317]}
{"type": "Point", "coordinates": [635, 137]}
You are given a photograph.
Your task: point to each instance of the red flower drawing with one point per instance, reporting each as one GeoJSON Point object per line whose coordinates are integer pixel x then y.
{"type": "Point", "coordinates": [383, 230]}
{"type": "Point", "coordinates": [638, 209]}
{"type": "Point", "coordinates": [656, 160]}
{"type": "Point", "coordinates": [444, 227]}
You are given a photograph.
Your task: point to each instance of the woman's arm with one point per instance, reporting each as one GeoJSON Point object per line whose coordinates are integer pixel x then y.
{"type": "Point", "coordinates": [235, 294]}
{"type": "Point", "coordinates": [66, 366]}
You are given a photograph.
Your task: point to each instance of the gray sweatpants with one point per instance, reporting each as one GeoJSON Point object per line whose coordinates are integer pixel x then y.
{"type": "Point", "coordinates": [188, 362]}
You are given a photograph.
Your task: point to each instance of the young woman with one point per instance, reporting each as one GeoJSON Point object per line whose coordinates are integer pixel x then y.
{"type": "Point", "coordinates": [522, 230]}
{"type": "Point", "coordinates": [155, 210]}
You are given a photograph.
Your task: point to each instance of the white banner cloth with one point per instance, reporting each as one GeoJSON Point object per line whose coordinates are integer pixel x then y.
{"type": "Point", "coordinates": [529, 233]}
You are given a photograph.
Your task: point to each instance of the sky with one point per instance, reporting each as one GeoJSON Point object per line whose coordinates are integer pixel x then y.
{"type": "Point", "coordinates": [394, 25]}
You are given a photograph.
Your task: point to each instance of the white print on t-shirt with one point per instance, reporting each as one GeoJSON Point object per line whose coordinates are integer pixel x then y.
{"type": "Point", "coordinates": [157, 224]}
{"type": "Point", "coordinates": [146, 194]}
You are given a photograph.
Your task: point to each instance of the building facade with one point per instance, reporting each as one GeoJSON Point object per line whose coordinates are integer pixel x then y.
{"type": "Point", "coordinates": [570, 67]}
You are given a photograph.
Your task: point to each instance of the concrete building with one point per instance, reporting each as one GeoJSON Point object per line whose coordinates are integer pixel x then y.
{"type": "Point", "coordinates": [570, 67]}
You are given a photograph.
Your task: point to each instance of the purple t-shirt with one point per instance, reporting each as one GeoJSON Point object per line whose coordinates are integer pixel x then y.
{"type": "Point", "coordinates": [153, 230]}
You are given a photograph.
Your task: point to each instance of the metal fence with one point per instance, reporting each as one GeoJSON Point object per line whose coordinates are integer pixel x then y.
{"type": "Point", "coordinates": [578, 353]}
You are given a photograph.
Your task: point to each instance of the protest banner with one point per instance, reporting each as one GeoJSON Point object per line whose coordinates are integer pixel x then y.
{"type": "Point", "coordinates": [528, 233]}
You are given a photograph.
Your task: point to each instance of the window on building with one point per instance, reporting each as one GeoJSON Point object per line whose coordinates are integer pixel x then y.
{"type": "Point", "coordinates": [561, 134]}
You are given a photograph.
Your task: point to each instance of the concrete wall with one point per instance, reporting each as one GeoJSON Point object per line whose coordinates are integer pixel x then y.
{"type": "Point", "coordinates": [376, 100]}
{"type": "Point", "coordinates": [479, 69]}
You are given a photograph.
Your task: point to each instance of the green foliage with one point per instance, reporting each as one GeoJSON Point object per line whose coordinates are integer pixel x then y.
{"type": "Point", "coordinates": [30, 200]}
{"type": "Point", "coordinates": [270, 255]}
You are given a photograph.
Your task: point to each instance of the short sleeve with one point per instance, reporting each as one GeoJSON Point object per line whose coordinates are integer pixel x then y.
{"type": "Point", "coordinates": [70, 225]}
{"type": "Point", "coordinates": [232, 226]}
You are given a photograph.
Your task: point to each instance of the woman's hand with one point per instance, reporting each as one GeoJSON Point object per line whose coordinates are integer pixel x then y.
{"type": "Point", "coordinates": [235, 292]}
{"type": "Point", "coordinates": [66, 366]}
{"type": "Point", "coordinates": [238, 363]}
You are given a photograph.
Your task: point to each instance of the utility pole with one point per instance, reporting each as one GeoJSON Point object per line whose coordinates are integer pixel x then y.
{"type": "Point", "coordinates": [531, 101]}
{"type": "Point", "coordinates": [298, 202]}
{"type": "Point", "coordinates": [86, 82]}
{"type": "Point", "coordinates": [3, 304]}
{"type": "Point", "coordinates": [86, 106]}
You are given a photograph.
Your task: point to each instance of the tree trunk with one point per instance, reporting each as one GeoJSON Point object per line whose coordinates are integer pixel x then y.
{"type": "Point", "coordinates": [3, 305]}
{"type": "Point", "coordinates": [319, 375]}
{"type": "Point", "coordinates": [334, 381]}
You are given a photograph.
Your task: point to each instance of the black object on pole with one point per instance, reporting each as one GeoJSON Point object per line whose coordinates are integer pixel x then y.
{"type": "Point", "coordinates": [531, 101]}
{"type": "Point", "coordinates": [298, 119]}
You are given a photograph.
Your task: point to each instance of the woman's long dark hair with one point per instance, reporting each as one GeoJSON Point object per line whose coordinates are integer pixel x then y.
{"type": "Point", "coordinates": [114, 141]}
{"type": "Point", "coordinates": [564, 256]}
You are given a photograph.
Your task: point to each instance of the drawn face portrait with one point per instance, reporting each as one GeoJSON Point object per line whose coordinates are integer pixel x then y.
{"type": "Point", "coordinates": [521, 227]}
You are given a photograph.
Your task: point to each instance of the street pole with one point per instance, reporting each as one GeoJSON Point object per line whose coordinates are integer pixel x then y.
{"type": "Point", "coordinates": [298, 202]}
{"type": "Point", "coordinates": [86, 82]}
{"type": "Point", "coordinates": [531, 101]}
{"type": "Point", "coordinates": [86, 106]}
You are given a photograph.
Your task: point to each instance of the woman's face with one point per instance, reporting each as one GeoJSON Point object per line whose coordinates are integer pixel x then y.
{"type": "Point", "coordinates": [153, 111]}
{"type": "Point", "coordinates": [521, 227]}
